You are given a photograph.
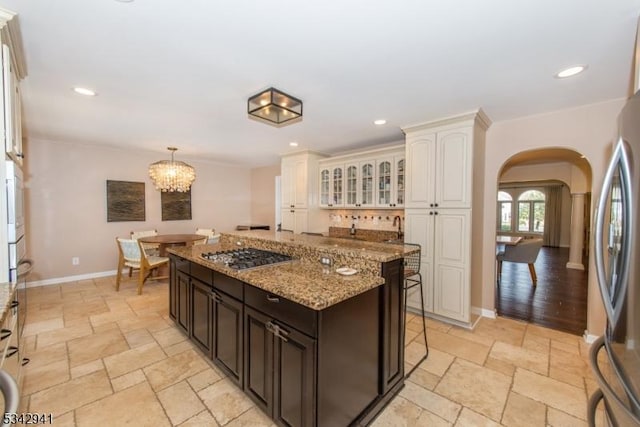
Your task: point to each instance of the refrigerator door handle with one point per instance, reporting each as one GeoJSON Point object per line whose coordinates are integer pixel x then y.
{"type": "Point", "coordinates": [592, 406]}
{"type": "Point", "coordinates": [622, 407]}
{"type": "Point", "coordinates": [613, 303]}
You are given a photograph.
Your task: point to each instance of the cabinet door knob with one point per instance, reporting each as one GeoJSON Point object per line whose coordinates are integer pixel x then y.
{"type": "Point", "coordinates": [436, 205]}
{"type": "Point", "coordinates": [435, 213]}
{"type": "Point", "coordinates": [430, 213]}
{"type": "Point", "coordinates": [430, 205]}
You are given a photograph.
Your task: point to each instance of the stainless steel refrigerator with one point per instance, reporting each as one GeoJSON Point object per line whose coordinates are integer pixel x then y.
{"type": "Point", "coordinates": [615, 357]}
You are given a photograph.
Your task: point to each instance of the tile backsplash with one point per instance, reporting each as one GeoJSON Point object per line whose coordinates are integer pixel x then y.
{"type": "Point", "coordinates": [366, 219]}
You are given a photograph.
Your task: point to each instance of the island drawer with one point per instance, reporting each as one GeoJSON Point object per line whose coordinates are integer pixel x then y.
{"type": "Point", "coordinates": [281, 309]}
{"type": "Point", "coordinates": [183, 265]}
{"type": "Point", "coordinates": [228, 285]}
{"type": "Point", "coordinates": [202, 273]}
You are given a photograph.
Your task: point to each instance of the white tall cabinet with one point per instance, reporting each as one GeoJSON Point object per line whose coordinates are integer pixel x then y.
{"type": "Point", "coordinates": [444, 161]}
{"type": "Point", "coordinates": [299, 192]}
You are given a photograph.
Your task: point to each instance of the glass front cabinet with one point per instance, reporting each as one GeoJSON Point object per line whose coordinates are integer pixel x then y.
{"type": "Point", "coordinates": [332, 182]}
{"type": "Point", "coordinates": [390, 182]}
{"type": "Point", "coordinates": [364, 182]}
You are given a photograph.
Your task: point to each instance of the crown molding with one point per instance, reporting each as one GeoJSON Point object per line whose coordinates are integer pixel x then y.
{"type": "Point", "coordinates": [11, 36]}
{"type": "Point", "coordinates": [472, 117]}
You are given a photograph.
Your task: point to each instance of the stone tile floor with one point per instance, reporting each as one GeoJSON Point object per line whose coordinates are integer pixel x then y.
{"type": "Point", "coordinates": [100, 357]}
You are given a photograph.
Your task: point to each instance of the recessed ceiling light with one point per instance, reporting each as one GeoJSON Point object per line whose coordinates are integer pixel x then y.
{"type": "Point", "coordinates": [380, 122]}
{"type": "Point", "coordinates": [125, 1]}
{"type": "Point", "coordinates": [84, 91]}
{"type": "Point", "coordinates": [571, 71]}
{"type": "Point", "coordinates": [293, 144]}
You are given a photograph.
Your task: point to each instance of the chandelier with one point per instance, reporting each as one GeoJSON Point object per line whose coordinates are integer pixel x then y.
{"type": "Point", "coordinates": [169, 175]}
{"type": "Point", "coordinates": [275, 107]}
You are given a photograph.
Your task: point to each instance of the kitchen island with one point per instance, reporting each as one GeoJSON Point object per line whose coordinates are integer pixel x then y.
{"type": "Point", "coordinates": [309, 346]}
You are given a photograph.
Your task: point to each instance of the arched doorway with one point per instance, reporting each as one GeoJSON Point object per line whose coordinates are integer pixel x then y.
{"type": "Point", "coordinates": [545, 194]}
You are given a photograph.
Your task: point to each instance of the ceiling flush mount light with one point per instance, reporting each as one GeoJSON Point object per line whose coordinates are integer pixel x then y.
{"type": "Point", "coordinates": [169, 175]}
{"type": "Point", "coordinates": [571, 71]}
{"type": "Point", "coordinates": [84, 91]}
{"type": "Point", "coordinates": [380, 122]}
{"type": "Point", "coordinates": [293, 144]}
{"type": "Point", "coordinates": [274, 107]}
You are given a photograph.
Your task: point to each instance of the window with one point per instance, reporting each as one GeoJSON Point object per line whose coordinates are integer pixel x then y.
{"type": "Point", "coordinates": [504, 210]}
{"type": "Point", "coordinates": [531, 212]}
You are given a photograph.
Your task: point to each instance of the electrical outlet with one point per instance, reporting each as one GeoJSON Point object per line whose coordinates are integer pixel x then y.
{"type": "Point", "coordinates": [75, 260]}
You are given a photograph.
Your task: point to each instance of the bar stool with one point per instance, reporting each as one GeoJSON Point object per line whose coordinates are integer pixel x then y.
{"type": "Point", "coordinates": [413, 278]}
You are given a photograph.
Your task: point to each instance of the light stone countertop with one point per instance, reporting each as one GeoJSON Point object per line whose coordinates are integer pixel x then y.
{"type": "Point", "coordinates": [301, 281]}
{"type": "Point", "coordinates": [349, 247]}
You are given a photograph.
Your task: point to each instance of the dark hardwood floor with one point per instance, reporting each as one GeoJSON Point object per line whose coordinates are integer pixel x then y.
{"type": "Point", "coordinates": [559, 301]}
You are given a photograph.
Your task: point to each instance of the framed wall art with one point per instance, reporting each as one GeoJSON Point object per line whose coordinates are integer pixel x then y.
{"type": "Point", "coordinates": [125, 201]}
{"type": "Point", "coordinates": [176, 205]}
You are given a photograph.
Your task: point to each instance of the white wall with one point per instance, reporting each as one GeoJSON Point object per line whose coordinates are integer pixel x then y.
{"type": "Point", "coordinates": [66, 203]}
{"type": "Point", "coordinates": [589, 130]}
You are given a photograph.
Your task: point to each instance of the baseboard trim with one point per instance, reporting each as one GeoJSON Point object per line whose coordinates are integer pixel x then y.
{"type": "Point", "coordinates": [588, 338]}
{"type": "Point", "coordinates": [484, 312]}
{"type": "Point", "coordinates": [575, 265]}
{"type": "Point", "coordinates": [66, 279]}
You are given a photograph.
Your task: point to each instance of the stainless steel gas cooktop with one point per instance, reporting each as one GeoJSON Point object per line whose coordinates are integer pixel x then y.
{"type": "Point", "coordinates": [246, 258]}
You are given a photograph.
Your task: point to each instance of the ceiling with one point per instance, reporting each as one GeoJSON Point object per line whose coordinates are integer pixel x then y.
{"type": "Point", "coordinates": [180, 73]}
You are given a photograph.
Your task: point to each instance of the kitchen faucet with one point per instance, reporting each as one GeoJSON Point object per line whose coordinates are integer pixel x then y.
{"type": "Point", "coordinates": [399, 222]}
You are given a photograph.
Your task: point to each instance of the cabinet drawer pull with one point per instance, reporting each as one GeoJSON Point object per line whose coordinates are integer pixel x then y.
{"type": "Point", "coordinates": [282, 333]}
{"type": "Point", "coordinates": [272, 299]}
{"type": "Point", "coordinates": [4, 333]}
{"type": "Point", "coordinates": [11, 350]}
{"type": "Point", "coordinates": [25, 361]}
{"type": "Point", "coordinates": [14, 304]}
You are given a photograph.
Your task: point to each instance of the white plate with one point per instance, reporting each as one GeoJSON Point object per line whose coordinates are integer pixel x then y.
{"type": "Point", "coordinates": [346, 271]}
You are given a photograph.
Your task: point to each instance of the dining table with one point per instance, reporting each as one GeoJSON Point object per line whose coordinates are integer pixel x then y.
{"type": "Point", "coordinates": [167, 240]}
{"type": "Point", "coordinates": [508, 240]}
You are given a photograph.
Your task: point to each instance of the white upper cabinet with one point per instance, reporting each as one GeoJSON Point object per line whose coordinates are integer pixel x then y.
{"type": "Point", "coordinates": [12, 107]}
{"type": "Point", "coordinates": [390, 179]}
{"type": "Point", "coordinates": [439, 168]}
{"type": "Point", "coordinates": [359, 183]}
{"type": "Point", "coordinates": [371, 179]}
{"type": "Point", "coordinates": [332, 182]}
{"type": "Point", "coordinates": [13, 70]}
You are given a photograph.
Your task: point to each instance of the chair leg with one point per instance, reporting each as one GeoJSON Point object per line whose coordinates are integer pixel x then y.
{"type": "Point", "coordinates": [532, 271]}
{"type": "Point", "coordinates": [119, 273]}
{"type": "Point", "coordinates": [130, 271]}
{"type": "Point", "coordinates": [424, 327]}
{"type": "Point", "coordinates": [141, 278]}
{"type": "Point", "coordinates": [499, 268]}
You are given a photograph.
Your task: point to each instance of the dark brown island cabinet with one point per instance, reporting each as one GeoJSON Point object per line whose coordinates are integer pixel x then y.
{"type": "Point", "coordinates": [303, 367]}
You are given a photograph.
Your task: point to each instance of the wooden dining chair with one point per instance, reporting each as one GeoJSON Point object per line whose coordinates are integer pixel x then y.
{"type": "Point", "coordinates": [152, 248]}
{"type": "Point", "coordinates": [210, 236]}
{"type": "Point", "coordinates": [132, 254]}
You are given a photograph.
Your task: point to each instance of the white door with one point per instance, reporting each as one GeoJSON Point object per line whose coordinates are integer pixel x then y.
{"type": "Point", "coordinates": [420, 170]}
{"type": "Point", "coordinates": [453, 178]}
{"type": "Point", "coordinates": [451, 263]}
{"type": "Point", "coordinates": [419, 230]}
